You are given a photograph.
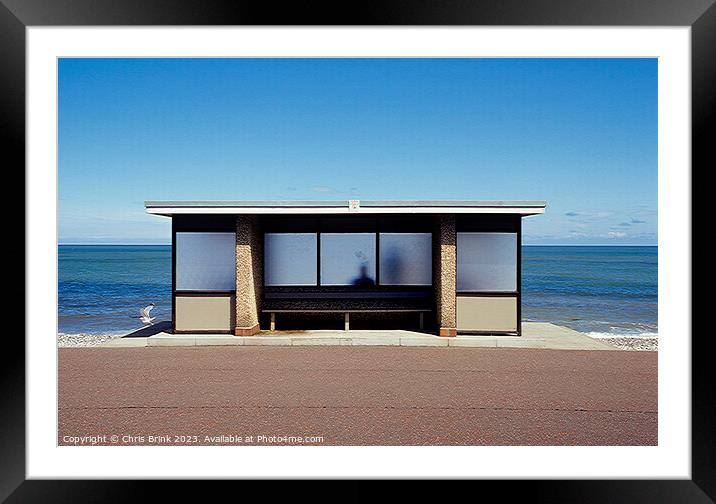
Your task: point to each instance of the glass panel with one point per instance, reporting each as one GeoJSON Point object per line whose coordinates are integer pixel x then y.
{"type": "Point", "coordinates": [290, 259]}
{"type": "Point", "coordinates": [348, 259]}
{"type": "Point", "coordinates": [487, 262]}
{"type": "Point", "coordinates": [406, 259]}
{"type": "Point", "coordinates": [206, 261]}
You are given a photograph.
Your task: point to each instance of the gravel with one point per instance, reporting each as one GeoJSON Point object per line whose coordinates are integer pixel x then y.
{"type": "Point", "coordinates": [84, 339]}
{"type": "Point", "coordinates": [639, 344]}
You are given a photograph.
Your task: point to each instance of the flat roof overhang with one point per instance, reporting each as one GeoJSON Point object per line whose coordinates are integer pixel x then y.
{"type": "Point", "coordinates": [170, 208]}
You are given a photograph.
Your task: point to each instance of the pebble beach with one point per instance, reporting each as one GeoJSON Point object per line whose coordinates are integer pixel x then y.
{"type": "Point", "coordinates": [83, 339]}
{"type": "Point", "coordinates": [643, 344]}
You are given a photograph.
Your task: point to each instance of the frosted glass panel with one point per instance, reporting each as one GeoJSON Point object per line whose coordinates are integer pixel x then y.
{"type": "Point", "coordinates": [406, 259]}
{"type": "Point", "coordinates": [290, 259]}
{"type": "Point", "coordinates": [348, 259]}
{"type": "Point", "coordinates": [487, 262]}
{"type": "Point", "coordinates": [205, 261]}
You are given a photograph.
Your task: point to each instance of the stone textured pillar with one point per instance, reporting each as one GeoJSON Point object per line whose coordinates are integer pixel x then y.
{"type": "Point", "coordinates": [248, 275]}
{"type": "Point", "coordinates": [445, 259]}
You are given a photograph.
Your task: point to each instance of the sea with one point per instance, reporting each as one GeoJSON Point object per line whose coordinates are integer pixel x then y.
{"type": "Point", "coordinates": [603, 291]}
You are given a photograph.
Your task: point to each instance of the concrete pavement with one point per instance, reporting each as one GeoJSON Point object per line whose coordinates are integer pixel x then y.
{"type": "Point", "coordinates": [534, 335]}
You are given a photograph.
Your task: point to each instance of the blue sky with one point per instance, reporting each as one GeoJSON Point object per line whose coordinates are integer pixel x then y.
{"type": "Point", "coordinates": [578, 133]}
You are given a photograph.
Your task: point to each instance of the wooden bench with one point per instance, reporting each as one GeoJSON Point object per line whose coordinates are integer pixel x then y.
{"type": "Point", "coordinates": [346, 314]}
{"type": "Point", "coordinates": [347, 303]}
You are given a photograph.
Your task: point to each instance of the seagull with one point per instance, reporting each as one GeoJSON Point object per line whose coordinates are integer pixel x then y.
{"type": "Point", "coordinates": [144, 314]}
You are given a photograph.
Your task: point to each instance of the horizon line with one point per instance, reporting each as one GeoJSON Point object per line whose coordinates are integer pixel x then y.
{"type": "Point", "coordinates": [524, 244]}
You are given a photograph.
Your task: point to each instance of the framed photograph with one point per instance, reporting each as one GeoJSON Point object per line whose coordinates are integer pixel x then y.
{"type": "Point", "coordinates": [435, 241]}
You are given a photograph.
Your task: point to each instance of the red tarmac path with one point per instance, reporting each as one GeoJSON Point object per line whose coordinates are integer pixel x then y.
{"type": "Point", "coordinates": [358, 396]}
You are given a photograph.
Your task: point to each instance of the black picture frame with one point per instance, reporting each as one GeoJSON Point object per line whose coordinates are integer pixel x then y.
{"type": "Point", "coordinates": [700, 15]}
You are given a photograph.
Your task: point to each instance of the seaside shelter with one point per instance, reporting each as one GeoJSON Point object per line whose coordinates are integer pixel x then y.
{"type": "Point", "coordinates": [447, 267]}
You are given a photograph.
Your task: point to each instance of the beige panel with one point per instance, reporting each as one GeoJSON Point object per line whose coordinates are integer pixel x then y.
{"type": "Point", "coordinates": [477, 313]}
{"type": "Point", "coordinates": [205, 313]}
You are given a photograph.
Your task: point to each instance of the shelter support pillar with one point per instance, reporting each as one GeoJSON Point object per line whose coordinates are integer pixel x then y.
{"type": "Point", "coordinates": [445, 272]}
{"type": "Point", "coordinates": [248, 275]}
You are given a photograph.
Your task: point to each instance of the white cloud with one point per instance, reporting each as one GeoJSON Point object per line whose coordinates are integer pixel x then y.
{"type": "Point", "coordinates": [589, 215]}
